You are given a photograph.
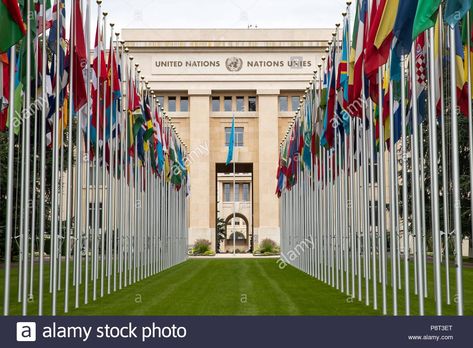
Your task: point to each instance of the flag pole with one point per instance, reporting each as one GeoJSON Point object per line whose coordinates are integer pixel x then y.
{"type": "Point", "coordinates": [434, 177]}
{"type": "Point", "coordinates": [9, 213]}
{"type": "Point", "coordinates": [445, 186]}
{"type": "Point", "coordinates": [97, 155]}
{"type": "Point", "coordinates": [456, 178]}
{"type": "Point", "coordinates": [405, 200]}
{"type": "Point", "coordinates": [416, 188]}
{"type": "Point", "coordinates": [43, 166]}
{"type": "Point", "coordinates": [69, 163]}
{"type": "Point", "coordinates": [234, 190]}
{"type": "Point", "coordinates": [393, 199]}
{"type": "Point", "coordinates": [88, 221]}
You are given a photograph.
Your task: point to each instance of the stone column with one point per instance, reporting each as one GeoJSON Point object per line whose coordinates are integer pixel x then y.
{"type": "Point", "coordinates": [199, 132]}
{"type": "Point", "coordinates": [268, 157]}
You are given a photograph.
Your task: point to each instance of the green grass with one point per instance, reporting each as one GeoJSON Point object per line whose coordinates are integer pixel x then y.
{"type": "Point", "coordinates": [234, 287]}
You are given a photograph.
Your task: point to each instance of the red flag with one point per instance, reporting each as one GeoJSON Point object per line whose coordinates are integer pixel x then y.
{"type": "Point", "coordinates": [4, 90]}
{"type": "Point", "coordinates": [80, 60]}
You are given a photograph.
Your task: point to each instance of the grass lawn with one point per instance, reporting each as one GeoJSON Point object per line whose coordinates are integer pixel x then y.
{"type": "Point", "coordinates": [233, 287]}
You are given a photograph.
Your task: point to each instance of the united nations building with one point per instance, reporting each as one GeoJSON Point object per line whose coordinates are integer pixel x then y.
{"type": "Point", "coordinates": [205, 77]}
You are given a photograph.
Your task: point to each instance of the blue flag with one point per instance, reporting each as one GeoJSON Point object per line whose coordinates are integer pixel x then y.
{"type": "Point", "coordinates": [231, 142]}
{"type": "Point", "coordinates": [456, 10]}
{"type": "Point", "coordinates": [404, 25]}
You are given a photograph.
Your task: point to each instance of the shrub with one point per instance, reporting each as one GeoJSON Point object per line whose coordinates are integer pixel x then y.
{"type": "Point", "coordinates": [267, 246]}
{"type": "Point", "coordinates": [209, 253]}
{"type": "Point", "coordinates": [201, 246]}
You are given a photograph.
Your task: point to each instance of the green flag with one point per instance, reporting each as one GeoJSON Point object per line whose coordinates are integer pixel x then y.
{"type": "Point", "coordinates": [426, 16]}
{"type": "Point", "coordinates": [13, 28]}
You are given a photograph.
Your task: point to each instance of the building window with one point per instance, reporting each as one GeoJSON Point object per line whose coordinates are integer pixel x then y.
{"type": "Point", "coordinates": [227, 192]}
{"type": "Point", "coordinates": [237, 192]}
{"type": "Point", "coordinates": [215, 104]}
{"type": "Point", "coordinates": [227, 104]}
{"type": "Point", "coordinates": [240, 104]}
{"type": "Point", "coordinates": [184, 104]}
{"type": "Point", "coordinates": [238, 136]}
{"type": "Point", "coordinates": [92, 215]}
{"type": "Point", "coordinates": [246, 192]}
{"type": "Point", "coordinates": [161, 101]}
{"type": "Point", "coordinates": [283, 107]}
{"type": "Point", "coordinates": [252, 104]}
{"type": "Point", "coordinates": [294, 103]}
{"type": "Point", "coordinates": [172, 104]}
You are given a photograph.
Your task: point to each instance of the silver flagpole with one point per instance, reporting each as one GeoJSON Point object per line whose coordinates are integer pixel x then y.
{"type": "Point", "coordinates": [88, 222]}
{"type": "Point", "coordinates": [105, 207]}
{"type": "Point", "coordinates": [117, 186]}
{"type": "Point", "coordinates": [374, 223]}
{"type": "Point", "coordinates": [78, 208]}
{"type": "Point", "coordinates": [352, 205]}
{"type": "Point", "coordinates": [405, 200]}
{"type": "Point", "coordinates": [43, 166]}
{"type": "Point", "coordinates": [35, 174]}
{"type": "Point", "coordinates": [27, 168]}
{"type": "Point", "coordinates": [422, 208]}
{"type": "Point", "coordinates": [416, 188]}
{"type": "Point", "coordinates": [9, 213]}
{"type": "Point", "coordinates": [55, 215]}
{"type": "Point", "coordinates": [234, 191]}
{"type": "Point", "coordinates": [110, 186]}
{"type": "Point", "coordinates": [96, 157]}
{"type": "Point", "coordinates": [381, 195]}
{"type": "Point", "coordinates": [445, 185]}
{"type": "Point", "coordinates": [22, 212]}
{"type": "Point", "coordinates": [69, 167]}
{"type": "Point", "coordinates": [434, 199]}
{"type": "Point", "coordinates": [393, 200]}
{"type": "Point", "coordinates": [456, 179]}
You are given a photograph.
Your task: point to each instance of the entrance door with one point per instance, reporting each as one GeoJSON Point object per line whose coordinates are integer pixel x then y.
{"type": "Point", "coordinates": [234, 213]}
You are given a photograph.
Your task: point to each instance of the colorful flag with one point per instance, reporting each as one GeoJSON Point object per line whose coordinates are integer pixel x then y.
{"type": "Point", "coordinates": [4, 90]}
{"type": "Point", "coordinates": [426, 16]}
{"type": "Point", "coordinates": [356, 59]}
{"type": "Point", "coordinates": [380, 35]}
{"type": "Point", "coordinates": [80, 61]}
{"type": "Point", "coordinates": [462, 83]}
{"type": "Point", "coordinates": [456, 10]}
{"type": "Point", "coordinates": [403, 26]}
{"type": "Point", "coordinates": [13, 27]}
{"type": "Point", "coordinates": [231, 143]}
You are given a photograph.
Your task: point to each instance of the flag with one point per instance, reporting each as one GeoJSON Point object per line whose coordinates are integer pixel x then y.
{"type": "Point", "coordinates": [13, 27]}
{"type": "Point", "coordinates": [4, 90]}
{"type": "Point", "coordinates": [80, 60]}
{"type": "Point", "coordinates": [426, 15]}
{"type": "Point", "coordinates": [404, 25]}
{"type": "Point", "coordinates": [356, 60]}
{"type": "Point", "coordinates": [148, 125]}
{"type": "Point", "coordinates": [380, 35]}
{"type": "Point", "coordinates": [456, 10]}
{"type": "Point", "coordinates": [329, 117]}
{"type": "Point", "coordinates": [462, 83]}
{"type": "Point", "coordinates": [343, 65]}
{"type": "Point", "coordinates": [112, 94]}
{"type": "Point", "coordinates": [231, 143]}
{"type": "Point", "coordinates": [41, 11]}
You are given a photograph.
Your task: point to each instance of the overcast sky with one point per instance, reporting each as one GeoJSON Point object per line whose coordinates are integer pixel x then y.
{"type": "Point", "coordinates": [223, 13]}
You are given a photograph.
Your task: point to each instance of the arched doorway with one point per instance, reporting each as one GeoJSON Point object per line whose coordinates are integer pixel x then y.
{"type": "Point", "coordinates": [237, 234]}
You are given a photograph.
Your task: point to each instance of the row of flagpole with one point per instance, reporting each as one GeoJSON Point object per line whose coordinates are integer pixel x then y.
{"type": "Point", "coordinates": [116, 201]}
{"type": "Point", "coordinates": [351, 174]}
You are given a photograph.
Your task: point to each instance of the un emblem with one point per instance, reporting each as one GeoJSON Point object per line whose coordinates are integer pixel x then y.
{"type": "Point", "coordinates": [234, 64]}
